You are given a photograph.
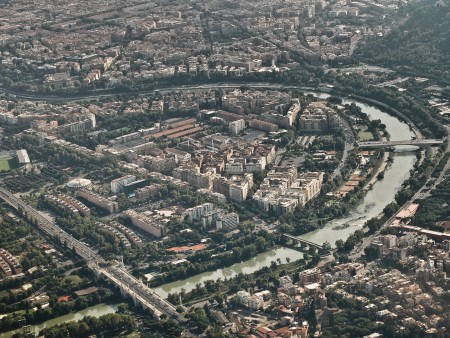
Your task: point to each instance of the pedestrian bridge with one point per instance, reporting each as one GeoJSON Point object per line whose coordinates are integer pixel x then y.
{"type": "Point", "coordinates": [387, 144]}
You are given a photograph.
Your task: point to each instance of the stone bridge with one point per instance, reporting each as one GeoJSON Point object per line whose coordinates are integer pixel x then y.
{"type": "Point", "coordinates": [324, 248]}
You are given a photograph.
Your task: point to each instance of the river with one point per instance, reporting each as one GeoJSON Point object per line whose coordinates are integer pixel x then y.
{"type": "Point", "coordinates": [382, 193]}
{"type": "Point", "coordinates": [94, 311]}
{"type": "Point", "coordinates": [247, 267]}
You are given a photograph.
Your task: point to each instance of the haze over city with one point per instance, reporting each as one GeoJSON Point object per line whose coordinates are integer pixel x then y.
{"type": "Point", "coordinates": [222, 169]}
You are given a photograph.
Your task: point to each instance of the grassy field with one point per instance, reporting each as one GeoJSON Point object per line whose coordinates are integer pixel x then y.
{"type": "Point", "coordinates": [73, 279]}
{"type": "Point", "coordinates": [365, 136]}
{"type": "Point", "coordinates": [8, 163]}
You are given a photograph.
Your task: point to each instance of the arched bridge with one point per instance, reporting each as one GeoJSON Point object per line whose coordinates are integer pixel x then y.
{"type": "Point", "coordinates": [321, 248]}
{"type": "Point", "coordinates": [387, 144]}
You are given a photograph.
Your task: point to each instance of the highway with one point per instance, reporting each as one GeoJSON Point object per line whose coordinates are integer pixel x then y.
{"type": "Point", "coordinates": [127, 283]}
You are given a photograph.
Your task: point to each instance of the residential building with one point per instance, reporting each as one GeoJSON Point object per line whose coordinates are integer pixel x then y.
{"type": "Point", "coordinates": [194, 177]}
{"type": "Point", "coordinates": [11, 260]}
{"type": "Point", "coordinates": [310, 276]}
{"type": "Point", "coordinates": [283, 189]}
{"type": "Point", "coordinates": [75, 204]}
{"type": "Point", "coordinates": [147, 192]}
{"type": "Point", "coordinates": [146, 223]}
{"type": "Point", "coordinates": [196, 213]}
{"type": "Point", "coordinates": [99, 200]}
{"type": "Point", "coordinates": [237, 126]}
{"type": "Point", "coordinates": [118, 183]}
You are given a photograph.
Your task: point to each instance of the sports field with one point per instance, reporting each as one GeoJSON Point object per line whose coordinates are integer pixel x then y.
{"type": "Point", "coordinates": [8, 163]}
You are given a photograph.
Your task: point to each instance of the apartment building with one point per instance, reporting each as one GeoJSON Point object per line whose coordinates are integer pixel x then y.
{"type": "Point", "coordinates": [219, 218]}
{"type": "Point", "coordinates": [61, 203]}
{"type": "Point", "coordinates": [263, 125]}
{"type": "Point", "coordinates": [99, 200]}
{"type": "Point", "coordinates": [78, 126]}
{"type": "Point", "coordinates": [267, 150]}
{"type": "Point", "coordinates": [118, 184]}
{"type": "Point", "coordinates": [5, 267]}
{"type": "Point", "coordinates": [284, 189]}
{"type": "Point", "coordinates": [239, 166]}
{"type": "Point", "coordinates": [239, 187]}
{"type": "Point", "coordinates": [237, 126]}
{"type": "Point", "coordinates": [317, 117]}
{"type": "Point", "coordinates": [132, 237]}
{"type": "Point", "coordinates": [194, 177]}
{"type": "Point", "coordinates": [196, 213]}
{"type": "Point", "coordinates": [75, 204]}
{"type": "Point", "coordinates": [147, 192]}
{"type": "Point", "coordinates": [179, 154]}
{"type": "Point", "coordinates": [11, 260]}
{"type": "Point", "coordinates": [146, 223]}
{"type": "Point", "coordinates": [310, 276]}
{"type": "Point", "coordinates": [123, 239]}
{"type": "Point", "coordinates": [161, 163]}
{"type": "Point", "coordinates": [235, 187]}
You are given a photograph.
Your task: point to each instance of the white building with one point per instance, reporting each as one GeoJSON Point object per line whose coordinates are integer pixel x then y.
{"type": "Point", "coordinates": [118, 183]}
{"type": "Point", "coordinates": [22, 156]}
{"type": "Point", "coordinates": [237, 126]}
{"type": "Point", "coordinates": [242, 297]}
{"type": "Point", "coordinates": [198, 211]}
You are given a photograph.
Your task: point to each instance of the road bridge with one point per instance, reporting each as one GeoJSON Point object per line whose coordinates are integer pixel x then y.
{"type": "Point", "coordinates": [126, 282]}
{"type": "Point", "coordinates": [387, 144]}
{"type": "Point", "coordinates": [321, 248]}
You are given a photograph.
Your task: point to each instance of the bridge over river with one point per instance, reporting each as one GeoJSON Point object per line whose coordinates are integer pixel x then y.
{"type": "Point", "coordinates": [324, 248]}
{"type": "Point", "coordinates": [387, 144]}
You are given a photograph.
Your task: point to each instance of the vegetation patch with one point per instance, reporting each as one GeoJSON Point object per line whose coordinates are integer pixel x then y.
{"type": "Point", "coordinates": [73, 279]}
{"type": "Point", "coordinates": [8, 163]}
{"type": "Point", "coordinates": [365, 136]}
{"type": "Point", "coordinates": [420, 46]}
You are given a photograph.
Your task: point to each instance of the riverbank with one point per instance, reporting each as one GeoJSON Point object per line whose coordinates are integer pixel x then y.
{"type": "Point", "coordinates": [380, 169]}
{"type": "Point", "coordinates": [278, 254]}
{"type": "Point", "coordinates": [94, 311]}
{"type": "Point", "coordinates": [392, 110]}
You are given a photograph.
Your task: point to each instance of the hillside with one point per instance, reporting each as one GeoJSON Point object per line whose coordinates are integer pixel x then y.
{"type": "Point", "coordinates": [420, 46]}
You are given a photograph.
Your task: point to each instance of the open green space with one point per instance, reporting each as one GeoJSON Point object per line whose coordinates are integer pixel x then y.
{"type": "Point", "coordinates": [73, 279]}
{"type": "Point", "coordinates": [365, 136]}
{"type": "Point", "coordinates": [8, 163]}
